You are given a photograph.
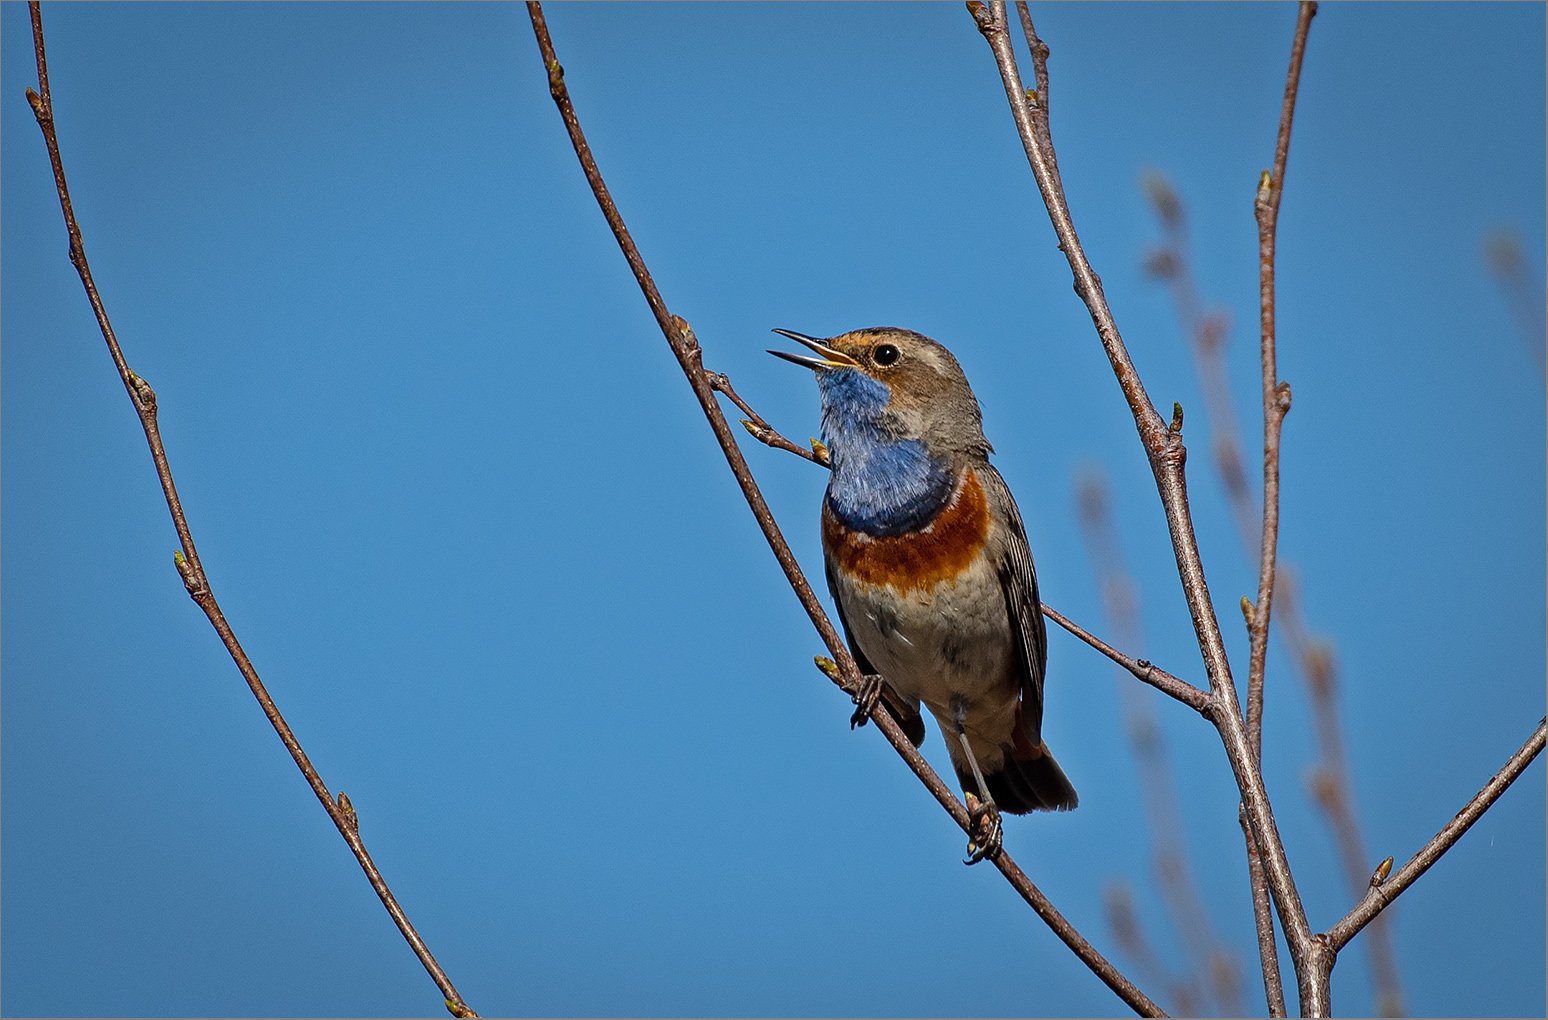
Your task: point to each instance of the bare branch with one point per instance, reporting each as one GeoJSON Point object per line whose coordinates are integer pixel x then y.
{"type": "Point", "coordinates": [1263, 922]}
{"type": "Point", "coordinates": [1166, 453]}
{"type": "Point", "coordinates": [1382, 893]}
{"type": "Point", "coordinates": [762, 430]}
{"type": "Point", "coordinates": [1143, 669]}
{"type": "Point", "coordinates": [1044, 123]}
{"type": "Point", "coordinates": [343, 814]}
{"type": "Point", "coordinates": [843, 671]}
{"type": "Point", "coordinates": [1276, 394]}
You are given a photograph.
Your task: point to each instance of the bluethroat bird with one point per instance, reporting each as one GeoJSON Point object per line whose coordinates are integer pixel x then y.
{"type": "Point", "coordinates": [928, 563]}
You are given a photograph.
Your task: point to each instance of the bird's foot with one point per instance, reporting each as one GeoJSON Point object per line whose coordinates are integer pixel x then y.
{"type": "Point", "coordinates": [984, 831]}
{"type": "Point", "coordinates": [865, 699]}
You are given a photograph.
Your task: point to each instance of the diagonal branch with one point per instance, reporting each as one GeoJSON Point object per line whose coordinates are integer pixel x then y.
{"type": "Point", "coordinates": [187, 559]}
{"type": "Point", "coordinates": [762, 430]}
{"type": "Point", "coordinates": [1263, 921]}
{"type": "Point", "coordinates": [1143, 669]}
{"type": "Point", "coordinates": [844, 672]}
{"type": "Point", "coordinates": [1383, 889]}
{"type": "Point", "coordinates": [1166, 453]}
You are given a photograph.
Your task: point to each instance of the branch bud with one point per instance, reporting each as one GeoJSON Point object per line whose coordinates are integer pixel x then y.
{"type": "Point", "coordinates": [142, 391]}
{"type": "Point", "coordinates": [1249, 611]}
{"type": "Point", "coordinates": [1382, 871]}
{"type": "Point", "coordinates": [685, 331]}
{"type": "Point", "coordinates": [819, 449]}
{"type": "Point", "coordinates": [348, 810]}
{"type": "Point", "coordinates": [982, 16]}
{"type": "Point", "coordinates": [829, 669]}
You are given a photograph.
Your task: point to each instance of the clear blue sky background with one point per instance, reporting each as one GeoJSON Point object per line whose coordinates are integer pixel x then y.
{"type": "Point", "coordinates": [462, 510]}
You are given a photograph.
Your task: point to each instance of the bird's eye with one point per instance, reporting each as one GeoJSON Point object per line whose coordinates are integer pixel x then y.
{"type": "Point", "coordinates": [885, 354]}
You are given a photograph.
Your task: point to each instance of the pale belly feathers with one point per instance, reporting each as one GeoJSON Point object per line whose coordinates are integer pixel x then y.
{"type": "Point", "coordinates": [952, 640]}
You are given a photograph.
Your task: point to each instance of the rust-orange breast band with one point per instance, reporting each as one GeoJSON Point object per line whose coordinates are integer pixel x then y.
{"type": "Point", "coordinates": [919, 560]}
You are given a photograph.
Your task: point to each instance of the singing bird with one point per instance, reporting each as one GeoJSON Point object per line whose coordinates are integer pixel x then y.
{"type": "Point", "coordinates": [928, 563]}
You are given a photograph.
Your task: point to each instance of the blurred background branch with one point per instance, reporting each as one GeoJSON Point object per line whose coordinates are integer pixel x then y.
{"type": "Point", "coordinates": [1312, 658]}
{"type": "Point", "coordinates": [1210, 965]}
{"type": "Point", "coordinates": [1521, 283]}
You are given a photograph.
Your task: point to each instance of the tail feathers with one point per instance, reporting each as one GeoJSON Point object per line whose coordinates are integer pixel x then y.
{"type": "Point", "coordinates": [1028, 784]}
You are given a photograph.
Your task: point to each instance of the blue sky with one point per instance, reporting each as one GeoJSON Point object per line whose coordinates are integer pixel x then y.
{"type": "Point", "coordinates": [464, 514]}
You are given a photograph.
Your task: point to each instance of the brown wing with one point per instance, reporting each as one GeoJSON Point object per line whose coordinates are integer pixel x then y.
{"type": "Point", "coordinates": [1018, 583]}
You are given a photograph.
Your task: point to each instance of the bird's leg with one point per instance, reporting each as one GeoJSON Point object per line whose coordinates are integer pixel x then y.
{"type": "Point", "coordinates": [865, 699]}
{"type": "Point", "coordinates": [982, 814]}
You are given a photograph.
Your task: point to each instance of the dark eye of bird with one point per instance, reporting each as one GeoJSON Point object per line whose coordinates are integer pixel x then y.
{"type": "Point", "coordinates": [885, 354]}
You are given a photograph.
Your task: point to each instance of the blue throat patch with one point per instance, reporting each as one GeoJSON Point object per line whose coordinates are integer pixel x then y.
{"type": "Point", "coordinates": [880, 486]}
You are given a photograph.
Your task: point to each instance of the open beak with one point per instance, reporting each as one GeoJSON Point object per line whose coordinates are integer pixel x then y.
{"type": "Point", "coordinates": [831, 358]}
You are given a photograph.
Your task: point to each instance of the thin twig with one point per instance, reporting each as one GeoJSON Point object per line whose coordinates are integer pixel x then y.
{"type": "Point", "coordinates": [1044, 123]}
{"type": "Point", "coordinates": [1166, 453]}
{"type": "Point", "coordinates": [1276, 394]}
{"type": "Point", "coordinates": [1263, 922]}
{"type": "Point", "coordinates": [762, 430]}
{"type": "Point", "coordinates": [1384, 889]}
{"type": "Point", "coordinates": [187, 561]}
{"type": "Point", "coordinates": [843, 671]}
{"type": "Point", "coordinates": [1143, 669]}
